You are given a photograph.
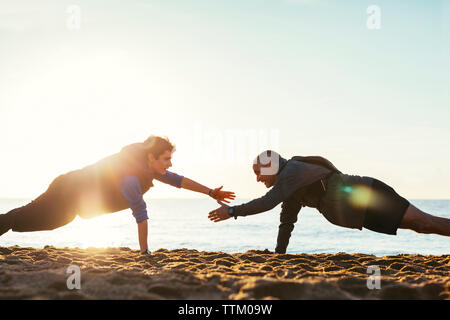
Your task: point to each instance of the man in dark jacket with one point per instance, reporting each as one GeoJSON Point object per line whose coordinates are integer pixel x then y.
{"type": "Point", "coordinates": [114, 183]}
{"type": "Point", "coordinates": [345, 200]}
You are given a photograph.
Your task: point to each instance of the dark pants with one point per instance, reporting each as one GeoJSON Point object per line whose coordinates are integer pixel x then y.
{"type": "Point", "coordinates": [386, 210]}
{"type": "Point", "coordinates": [54, 208]}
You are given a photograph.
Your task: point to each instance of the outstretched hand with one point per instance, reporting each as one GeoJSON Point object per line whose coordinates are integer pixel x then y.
{"type": "Point", "coordinates": [220, 213]}
{"type": "Point", "coordinates": [220, 195]}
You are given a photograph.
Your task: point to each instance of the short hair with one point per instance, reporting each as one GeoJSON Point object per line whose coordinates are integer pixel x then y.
{"type": "Point", "coordinates": [158, 145]}
{"type": "Point", "coordinates": [269, 161]}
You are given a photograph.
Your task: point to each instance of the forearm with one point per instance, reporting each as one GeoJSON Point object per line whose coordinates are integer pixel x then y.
{"type": "Point", "coordinates": [143, 235]}
{"type": "Point", "coordinates": [284, 234]}
{"type": "Point", "coordinates": [267, 202]}
{"type": "Point", "coordinates": [194, 186]}
{"type": "Point", "coordinates": [255, 206]}
{"type": "Point", "coordinates": [282, 190]}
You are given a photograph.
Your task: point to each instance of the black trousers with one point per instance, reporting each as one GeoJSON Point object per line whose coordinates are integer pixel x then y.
{"type": "Point", "coordinates": [54, 208]}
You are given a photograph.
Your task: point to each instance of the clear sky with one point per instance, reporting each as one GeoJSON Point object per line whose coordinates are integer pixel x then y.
{"type": "Point", "coordinates": [224, 80]}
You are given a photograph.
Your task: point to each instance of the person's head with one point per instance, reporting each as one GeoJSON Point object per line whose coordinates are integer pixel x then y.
{"type": "Point", "coordinates": [265, 167]}
{"type": "Point", "coordinates": [159, 153]}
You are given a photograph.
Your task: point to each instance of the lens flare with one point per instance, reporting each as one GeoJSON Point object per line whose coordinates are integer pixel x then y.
{"type": "Point", "coordinates": [360, 195]}
{"type": "Point", "coordinates": [347, 189]}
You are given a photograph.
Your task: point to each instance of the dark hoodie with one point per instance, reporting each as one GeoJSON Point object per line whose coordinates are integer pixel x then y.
{"type": "Point", "coordinates": [294, 188]}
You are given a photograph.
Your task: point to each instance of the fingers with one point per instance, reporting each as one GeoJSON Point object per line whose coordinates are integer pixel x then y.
{"type": "Point", "coordinates": [214, 218]}
{"type": "Point", "coordinates": [212, 214]}
{"type": "Point", "coordinates": [219, 191]}
{"type": "Point", "coordinates": [217, 216]}
{"type": "Point", "coordinates": [222, 195]}
{"type": "Point", "coordinates": [229, 194]}
{"type": "Point", "coordinates": [226, 195]}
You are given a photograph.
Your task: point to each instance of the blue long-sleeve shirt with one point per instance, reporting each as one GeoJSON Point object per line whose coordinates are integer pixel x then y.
{"type": "Point", "coordinates": [132, 191]}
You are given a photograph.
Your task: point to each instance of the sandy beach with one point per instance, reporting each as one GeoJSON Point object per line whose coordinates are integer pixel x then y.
{"type": "Point", "coordinates": [122, 273]}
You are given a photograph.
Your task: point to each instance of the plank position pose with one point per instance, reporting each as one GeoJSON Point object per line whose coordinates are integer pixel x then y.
{"type": "Point", "coordinates": [114, 183]}
{"type": "Point", "coordinates": [345, 200]}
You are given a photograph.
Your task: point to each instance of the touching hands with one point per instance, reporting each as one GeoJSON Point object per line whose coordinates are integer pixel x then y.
{"type": "Point", "coordinates": [219, 214]}
{"type": "Point", "coordinates": [220, 195]}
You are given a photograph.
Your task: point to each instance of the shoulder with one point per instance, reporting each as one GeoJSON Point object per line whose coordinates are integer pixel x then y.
{"type": "Point", "coordinates": [130, 183]}
{"type": "Point", "coordinates": [298, 165]}
{"type": "Point", "coordinates": [293, 167]}
{"type": "Point", "coordinates": [129, 180]}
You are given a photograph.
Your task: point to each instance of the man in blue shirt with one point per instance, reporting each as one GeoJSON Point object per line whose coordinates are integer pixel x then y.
{"type": "Point", "coordinates": [114, 183]}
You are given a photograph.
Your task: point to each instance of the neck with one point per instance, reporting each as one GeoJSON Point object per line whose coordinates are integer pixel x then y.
{"type": "Point", "coordinates": [150, 168]}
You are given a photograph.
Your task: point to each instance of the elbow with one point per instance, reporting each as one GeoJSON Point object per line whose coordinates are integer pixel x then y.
{"type": "Point", "coordinates": [140, 216]}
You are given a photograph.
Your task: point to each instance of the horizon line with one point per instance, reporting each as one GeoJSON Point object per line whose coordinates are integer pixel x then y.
{"type": "Point", "coordinates": [202, 198]}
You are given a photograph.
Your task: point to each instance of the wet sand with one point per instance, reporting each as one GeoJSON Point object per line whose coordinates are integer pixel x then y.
{"type": "Point", "coordinates": [122, 273]}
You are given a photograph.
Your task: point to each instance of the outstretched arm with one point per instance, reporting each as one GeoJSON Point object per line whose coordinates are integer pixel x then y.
{"type": "Point", "coordinates": [269, 201]}
{"type": "Point", "coordinates": [182, 182]}
{"type": "Point", "coordinates": [216, 193]}
{"type": "Point", "coordinates": [282, 190]}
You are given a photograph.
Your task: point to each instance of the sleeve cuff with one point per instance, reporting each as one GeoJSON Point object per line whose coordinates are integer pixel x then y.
{"type": "Point", "coordinates": [178, 184]}
{"type": "Point", "coordinates": [140, 219]}
{"type": "Point", "coordinates": [237, 212]}
{"type": "Point", "coordinates": [176, 179]}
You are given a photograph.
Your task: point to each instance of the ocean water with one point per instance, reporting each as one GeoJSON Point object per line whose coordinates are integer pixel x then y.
{"type": "Point", "coordinates": [183, 223]}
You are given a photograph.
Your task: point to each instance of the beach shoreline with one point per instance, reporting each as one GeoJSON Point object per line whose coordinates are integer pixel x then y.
{"type": "Point", "coordinates": [123, 273]}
